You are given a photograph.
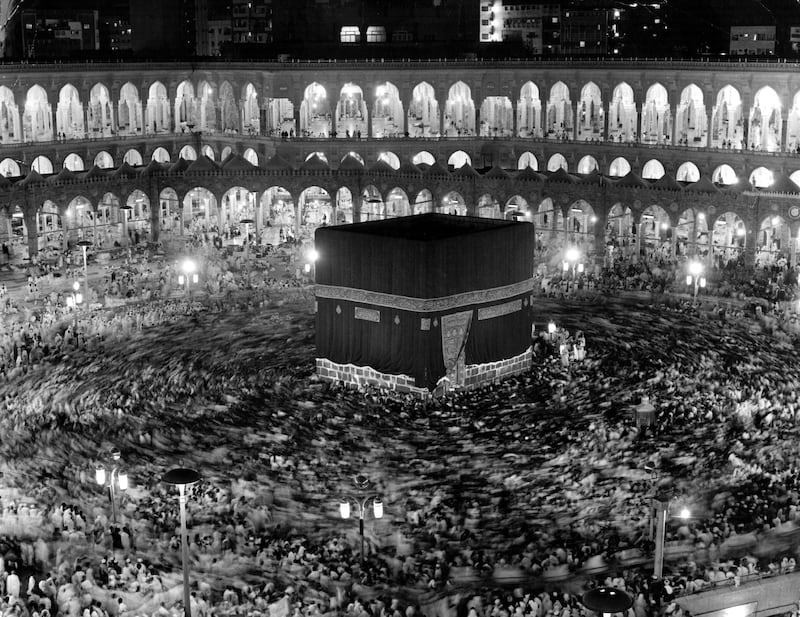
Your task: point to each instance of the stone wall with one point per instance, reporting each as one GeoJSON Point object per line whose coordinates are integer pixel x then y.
{"type": "Point", "coordinates": [480, 374]}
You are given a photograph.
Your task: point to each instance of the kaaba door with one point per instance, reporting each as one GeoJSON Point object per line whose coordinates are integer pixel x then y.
{"type": "Point", "coordinates": [455, 329]}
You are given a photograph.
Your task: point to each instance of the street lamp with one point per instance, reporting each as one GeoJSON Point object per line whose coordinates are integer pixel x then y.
{"type": "Point", "coordinates": [189, 275]}
{"type": "Point", "coordinates": [247, 223]}
{"type": "Point", "coordinates": [85, 244]}
{"type": "Point", "coordinates": [182, 478]}
{"type": "Point", "coordinates": [311, 256]}
{"type": "Point", "coordinates": [571, 261]}
{"type": "Point", "coordinates": [695, 277]}
{"type": "Point", "coordinates": [662, 507]}
{"type": "Point", "coordinates": [116, 479]}
{"type": "Point", "coordinates": [75, 298]}
{"type": "Point", "coordinates": [362, 483]}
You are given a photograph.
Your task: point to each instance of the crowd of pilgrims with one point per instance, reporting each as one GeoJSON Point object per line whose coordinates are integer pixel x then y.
{"type": "Point", "coordinates": [510, 500]}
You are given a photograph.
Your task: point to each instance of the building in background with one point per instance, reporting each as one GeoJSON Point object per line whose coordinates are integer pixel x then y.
{"type": "Point", "coordinates": [752, 40]}
{"type": "Point", "coordinates": [50, 33]}
{"type": "Point", "coordinates": [163, 28]}
{"type": "Point", "coordinates": [220, 37]}
{"type": "Point", "coordinates": [533, 27]}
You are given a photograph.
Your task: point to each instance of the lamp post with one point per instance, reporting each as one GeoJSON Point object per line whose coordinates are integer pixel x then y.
{"type": "Point", "coordinates": [247, 223]}
{"type": "Point", "coordinates": [572, 262]}
{"type": "Point", "coordinates": [662, 507]}
{"type": "Point", "coordinates": [116, 479]}
{"type": "Point", "coordinates": [183, 478]}
{"type": "Point", "coordinates": [695, 278]}
{"type": "Point", "coordinates": [189, 276]}
{"type": "Point", "coordinates": [310, 267]}
{"type": "Point", "coordinates": [75, 298]}
{"type": "Point", "coordinates": [362, 483]}
{"type": "Point", "coordinates": [85, 244]}
{"type": "Point", "coordinates": [124, 209]}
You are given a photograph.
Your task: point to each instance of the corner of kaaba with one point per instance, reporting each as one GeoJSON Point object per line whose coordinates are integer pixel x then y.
{"type": "Point", "coordinates": [425, 303]}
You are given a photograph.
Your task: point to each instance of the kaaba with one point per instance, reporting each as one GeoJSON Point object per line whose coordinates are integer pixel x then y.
{"type": "Point", "coordinates": [424, 303]}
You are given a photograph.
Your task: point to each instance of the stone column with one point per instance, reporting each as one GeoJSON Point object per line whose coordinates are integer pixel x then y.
{"type": "Point", "coordinates": [793, 249]}
{"type": "Point", "coordinates": [369, 121]}
{"type": "Point", "coordinates": [155, 211]}
{"type": "Point", "coordinates": [31, 224]}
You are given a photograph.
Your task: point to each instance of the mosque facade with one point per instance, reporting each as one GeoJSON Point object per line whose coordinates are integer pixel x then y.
{"type": "Point", "coordinates": [609, 156]}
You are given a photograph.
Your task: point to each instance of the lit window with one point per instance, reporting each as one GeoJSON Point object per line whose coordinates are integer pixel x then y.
{"type": "Point", "coordinates": [350, 34]}
{"type": "Point", "coordinates": [376, 34]}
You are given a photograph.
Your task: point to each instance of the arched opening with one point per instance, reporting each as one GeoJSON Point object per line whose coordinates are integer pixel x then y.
{"type": "Point", "coordinates": [170, 211]}
{"type": "Point", "coordinates": [691, 120]}
{"type": "Point", "coordinates": [352, 154]}
{"type": "Point", "coordinates": [316, 209]}
{"type": "Point", "coordinates": [458, 159]}
{"type": "Point", "coordinates": [773, 241]}
{"type": "Point", "coordinates": [69, 114]}
{"type": "Point", "coordinates": [226, 152]}
{"type": "Point", "coordinates": [724, 175]}
{"type": "Point", "coordinates": [762, 178]}
{"type": "Point", "coordinates": [200, 213]}
{"type": "Point", "coordinates": [250, 156]}
{"type": "Point", "coordinates": [133, 158]}
{"type": "Point", "coordinates": [372, 206]}
{"type": "Point", "coordinates": [160, 155]}
{"type": "Point", "coordinates": [619, 167]}
{"type": "Point", "coordinates": [579, 226]}
{"type": "Point", "coordinates": [10, 168]}
{"type": "Point", "coordinates": [622, 115]}
{"type": "Point", "coordinates": [690, 229]}
{"type": "Point", "coordinates": [281, 216]}
{"type": "Point", "coordinates": [10, 123]}
{"type": "Point", "coordinates": [728, 239]}
{"type": "Point", "coordinates": [391, 159]}
{"type": "Point", "coordinates": [423, 158]}
{"type": "Point", "coordinates": [591, 117]}
{"type": "Point", "coordinates": [453, 203]}
{"type": "Point", "coordinates": [100, 113]}
{"type": "Point", "coordinates": [158, 114]}
{"type": "Point", "coordinates": [656, 117]}
{"type": "Point", "coordinates": [558, 123]}
{"type": "Point", "coordinates": [528, 159]}
{"type": "Point", "coordinates": [188, 153]}
{"type": "Point", "coordinates": [656, 232]}
{"type": "Point", "coordinates": [320, 155]}
{"type": "Point", "coordinates": [37, 121]}
{"type": "Point", "coordinates": [129, 110]}
{"type": "Point", "coordinates": [516, 209]}
{"type": "Point", "coordinates": [653, 170]}
{"type": "Point", "coordinates": [497, 117]}
{"type": "Point", "coordinates": [488, 208]}
{"type": "Point", "coordinates": [529, 111]}
{"type": "Point", "coordinates": [351, 112]}
{"type": "Point", "coordinates": [344, 206]}
{"type": "Point", "coordinates": [423, 112]}
{"type": "Point", "coordinates": [688, 172]}
{"type": "Point", "coordinates": [251, 113]}
{"type": "Point", "coordinates": [387, 113]}
{"type": "Point", "coordinates": [397, 204]}
{"type": "Point", "coordinates": [51, 231]}
{"type": "Point", "coordinates": [104, 160]}
{"type": "Point", "coordinates": [587, 165]}
{"type": "Point", "coordinates": [795, 177]}
{"type": "Point", "coordinates": [423, 203]}
{"type": "Point", "coordinates": [42, 165]}
{"type": "Point", "coordinates": [280, 118]}
{"type": "Point", "coordinates": [187, 108]}
{"type": "Point", "coordinates": [793, 126]}
{"type": "Point", "coordinates": [229, 116]}
{"type": "Point", "coordinates": [79, 221]}
{"type": "Point", "coordinates": [137, 224]}
{"type": "Point", "coordinates": [73, 162]}
{"type": "Point", "coordinates": [766, 122]}
{"type": "Point", "coordinates": [556, 162]}
{"type": "Point", "coordinates": [315, 112]}
{"type": "Point", "coordinates": [459, 111]}
{"type": "Point", "coordinates": [619, 235]}
{"type": "Point", "coordinates": [208, 152]}
{"type": "Point", "coordinates": [727, 125]}
{"type": "Point", "coordinates": [237, 204]}
{"type": "Point", "coordinates": [19, 233]}
{"type": "Point", "coordinates": [549, 222]}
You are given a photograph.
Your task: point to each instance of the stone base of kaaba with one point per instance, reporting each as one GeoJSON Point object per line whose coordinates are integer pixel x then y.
{"type": "Point", "coordinates": [475, 375]}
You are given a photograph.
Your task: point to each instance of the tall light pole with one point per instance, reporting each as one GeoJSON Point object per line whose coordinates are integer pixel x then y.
{"type": "Point", "coordinates": [85, 244]}
{"type": "Point", "coordinates": [572, 261]}
{"type": "Point", "coordinates": [116, 479]}
{"type": "Point", "coordinates": [362, 483]}
{"type": "Point", "coordinates": [183, 478]}
{"type": "Point", "coordinates": [695, 277]}
{"type": "Point", "coordinates": [189, 276]}
{"type": "Point", "coordinates": [662, 507]}
{"type": "Point", "coordinates": [247, 223]}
